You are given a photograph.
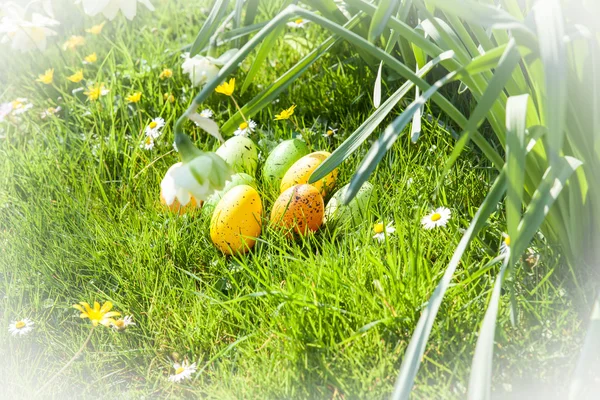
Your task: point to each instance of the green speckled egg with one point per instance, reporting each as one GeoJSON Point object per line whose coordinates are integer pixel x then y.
{"type": "Point", "coordinates": [235, 180]}
{"type": "Point", "coordinates": [282, 158]}
{"type": "Point", "coordinates": [240, 153]}
{"type": "Point", "coordinates": [355, 212]}
{"type": "Point", "coordinates": [236, 221]}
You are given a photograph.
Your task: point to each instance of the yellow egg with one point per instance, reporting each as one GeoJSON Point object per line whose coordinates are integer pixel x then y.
{"type": "Point", "coordinates": [300, 208]}
{"type": "Point", "coordinates": [302, 169]}
{"type": "Point", "coordinates": [236, 221]}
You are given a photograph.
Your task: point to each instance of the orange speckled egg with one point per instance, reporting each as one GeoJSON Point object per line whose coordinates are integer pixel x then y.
{"type": "Point", "coordinates": [300, 207]}
{"type": "Point", "coordinates": [236, 221]}
{"type": "Point", "coordinates": [302, 169]}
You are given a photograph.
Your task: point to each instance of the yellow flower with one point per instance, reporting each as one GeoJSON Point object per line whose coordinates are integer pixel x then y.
{"type": "Point", "coordinates": [95, 91]}
{"type": "Point", "coordinates": [73, 42]}
{"type": "Point", "coordinates": [134, 98]}
{"type": "Point", "coordinates": [47, 77]}
{"type": "Point", "coordinates": [166, 73]}
{"type": "Point", "coordinates": [168, 97]}
{"type": "Point", "coordinates": [226, 88]}
{"type": "Point", "coordinates": [89, 59]}
{"type": "Point", "coordinates": [285, 114]}
{"type": "Point", "coordinates": [96, 29]}
{"type": "Point", "coordinates": [98, 315]}
{"type": "Point", "coordinates": [76, 77]}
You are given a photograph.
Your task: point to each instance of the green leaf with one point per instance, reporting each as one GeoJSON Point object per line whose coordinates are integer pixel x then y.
{"type": "Point", "coordinates": [480, 381]}
{"type": "Point", "coordinates": [377, 87]}
{"type": "Point", "coordinates": [209, 27]}
{"type": "Point", "coordinates": [251, 11]}
{"type": "Point", "coordinates": [364, 131]}
{"type": "Point", "coordinates": [418, 342]}
{"type": "Point", "coordinates": [516, 117]}
{"type": "Point", "coordinates": [550, 29]}
{"type": "Point", "coordinates": [379, 21]}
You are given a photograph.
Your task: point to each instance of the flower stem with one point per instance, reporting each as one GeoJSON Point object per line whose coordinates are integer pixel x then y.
{"type": "Point", "coordinates": [75, 356]}
{"type": "Point", "coordinates": [239, 109]}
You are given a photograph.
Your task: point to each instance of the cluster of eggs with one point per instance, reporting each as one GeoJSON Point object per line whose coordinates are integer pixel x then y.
{"type": "Point", "coordinates": [237, 210]}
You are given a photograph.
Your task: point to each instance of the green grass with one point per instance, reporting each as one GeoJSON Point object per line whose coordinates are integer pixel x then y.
{"type": "Point", "coordinates": [326, 317]}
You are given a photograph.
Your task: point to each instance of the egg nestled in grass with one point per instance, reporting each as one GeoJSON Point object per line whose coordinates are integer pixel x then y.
{"type": "Point", "coordinates": [240, 153]}
{"type": "Point", "coordinates": [301, 170]}
{"type": "Point", "coordinates": [355, 212]}
{"type": "Point", "coordinates": [235, 180]}
{"type": "Point", "coordinates": [299, 208]}
{"type": "Point", "coordinates": [281, 159]}
{"type": "Point", "coordinates": [236, 221]}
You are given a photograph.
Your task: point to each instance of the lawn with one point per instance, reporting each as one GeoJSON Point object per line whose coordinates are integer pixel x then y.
{"type": "Point", "coordinates": [328, 315]}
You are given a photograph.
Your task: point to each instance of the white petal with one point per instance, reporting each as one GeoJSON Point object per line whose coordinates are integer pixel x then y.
{"type": "Point", "coordinates": [129, 8]}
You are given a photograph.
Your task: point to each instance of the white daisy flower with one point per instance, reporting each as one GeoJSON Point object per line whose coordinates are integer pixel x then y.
{"type": "Point", "coordinates": [182, 371]}
{"type": "Point", "coordinates": [154, 127]}
{"type": "Point", "coordinates": [206, 113]}
{"type": "Point", "coordinates": [381, 231]}
{"type": "Point", "coordinates": [50, 111]}
{"type": "Point", "coordinates": [505, 246]}
{"type": "Point", "coordinates": [21, 327]}
{"type": "Point", "coordinates": [245, 128]}
{"type": "Point", "coordinates": [439, 217]}
{"type": "Point", "coordinates": [298, 23]}
{"type": "Point", "coordinates": [20, 106]}
{"type": "Point", "coordinates": [148, 143]}
{"type": "Point", "coordinates": [121, 324]}
{"type": "Point", "coordinates": [330, 133]}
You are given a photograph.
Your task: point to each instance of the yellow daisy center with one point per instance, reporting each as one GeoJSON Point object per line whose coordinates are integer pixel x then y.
{"type": "Point", "coordinates": [179, 370]}
{"type": "Point", "coordinates": [153, 125]}
{"type": "Point", "coordinates": [329, 132]}
{"type": "Point", "coordinates": [20, 325]}
{"type": "Point", "coordinates": [244, 125]}
{"type": "Point", "coordinates": [436, 217]}
{"type": "Point", "coordinates": [378, 228]}
{"type": "Point", "coordinates": [17, 104]}
{"type": "Point", "coordinates": [299, 21]}
{"type": "Point", "coordinates": [507, 240]}
{"type": "Point", "coordinates": [119, 323]}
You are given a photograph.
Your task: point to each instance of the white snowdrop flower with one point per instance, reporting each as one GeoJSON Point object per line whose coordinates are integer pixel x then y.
{"type": "Point", "coordinates": [245, 128]}
{"type": "Point", "coordinates": [381, 231]}
{"type": "Point", "coordinates": [199, 69]}
{"type": "Point", "coordinates": [25, 34]}
{"type": "Point", "coordinates": [439, 217]}
{"type": "Point", "coordinates": [21, 327]}
{"type": "Point", "coordinates": [182, 371]}
{"type": "Point", "coordinates": [110, 8]}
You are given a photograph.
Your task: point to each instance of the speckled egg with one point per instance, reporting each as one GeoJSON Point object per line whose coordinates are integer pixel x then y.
{"type": "Point", "coordinates": [240, 153]}
{"type": "Point", "coordinates": [281, 159]}
{"type": "Point", "coordinates": [302, 169]}
{"type": "Point", "coordinates": [236, 221]}
{"type": "Point", "coordinates": [235, 180]}
{"type": "Point", "coordinates": [356, 211]}
{"type": "Point", "coordinates": [300, 208]}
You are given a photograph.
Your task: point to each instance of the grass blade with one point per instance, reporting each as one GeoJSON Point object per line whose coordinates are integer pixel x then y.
{"type": "Point", "coordinates": [418, 342]}
{"type": "Point", "coordinates": [261, 55]}
{"type": "Point", "coordinates": [377, 87]}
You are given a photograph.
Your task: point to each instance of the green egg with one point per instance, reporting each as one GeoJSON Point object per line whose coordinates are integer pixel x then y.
{"type": "Point", "coordinates": [235, 180]}
{"type": "Point", "coordinates": [241, 154]}
{"type": "Point", "coordinates": [281, 159]}
{"type": "Point", "coordinates": [355, 212]}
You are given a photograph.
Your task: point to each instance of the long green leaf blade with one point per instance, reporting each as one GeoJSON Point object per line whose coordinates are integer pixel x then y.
{"type": "Point", "coordinates": [216, 14]}
{"type": "Point", "coordinates": [379, 21]}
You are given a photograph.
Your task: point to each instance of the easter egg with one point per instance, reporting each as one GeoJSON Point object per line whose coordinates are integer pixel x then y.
{"type": "Point", "coordinates": [300, 208]}
{"type": "Point", "coordinates": [281, 159]}
{"type": "Point", "coordinates": [240, 153]}
{"type": "Point", "coordinates": [236, 221]}
{"type": "Point", "coordinates": [302, 169]}
{"type": "Point", "coordinates": [235, 180]}
{"type": "Point", "coordinates": [353, 213]}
